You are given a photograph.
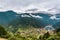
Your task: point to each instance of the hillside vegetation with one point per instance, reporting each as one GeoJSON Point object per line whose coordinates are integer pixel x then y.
{"type": "Point", "coordinates": [29, 33]}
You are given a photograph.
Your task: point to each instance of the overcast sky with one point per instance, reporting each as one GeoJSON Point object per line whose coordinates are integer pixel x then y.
{"type": "Point", "coordinates": [19, 5]}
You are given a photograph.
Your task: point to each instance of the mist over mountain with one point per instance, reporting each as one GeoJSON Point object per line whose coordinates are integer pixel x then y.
{"type": "Point", "coordinates": [39, 19]}
{"type": "Point", "coordinates": [29, 19]}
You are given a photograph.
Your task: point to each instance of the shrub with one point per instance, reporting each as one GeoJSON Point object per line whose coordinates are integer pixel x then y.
{"type": "Point", "coordinates": [46, 35]}
{"type": "Point", "coordinates": [3, 32]}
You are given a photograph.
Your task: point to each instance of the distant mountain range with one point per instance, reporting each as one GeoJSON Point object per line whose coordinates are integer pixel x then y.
{"type": "Point", "coordinates": [35, 19]}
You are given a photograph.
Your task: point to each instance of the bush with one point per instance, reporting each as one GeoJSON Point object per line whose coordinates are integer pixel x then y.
{"type": "Point", "coordinates": [57, 30]}
{"type": "Point", "coordinates": [3, 32]}
{"type": "Point", "coordinates": [46, 35]}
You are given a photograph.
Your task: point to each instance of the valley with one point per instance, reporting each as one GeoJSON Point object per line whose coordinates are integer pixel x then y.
{"type": "Point", "coordinates": [29, 26]}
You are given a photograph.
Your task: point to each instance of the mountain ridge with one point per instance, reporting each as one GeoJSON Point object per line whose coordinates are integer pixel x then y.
{"type": "Point", "coordinates": [35, 19]}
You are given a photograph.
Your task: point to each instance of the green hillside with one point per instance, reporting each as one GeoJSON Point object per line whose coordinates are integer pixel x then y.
{"type": "Point", "coordinates": [29, 33]}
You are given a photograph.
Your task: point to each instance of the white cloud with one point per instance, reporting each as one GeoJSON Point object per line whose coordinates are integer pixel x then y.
{"type": "Point", "coordinates": [49, 27]}
{"type": "Point", "coordinates": [22, 5]}
{"type": "Point", "coordinates": [25, 16]}
{"type": "Point", "coordinates": [53, 17]}
{"type": "Point", "coordinates": [30, 15]}
{"type": "Point", "coordinates": [35, 16]}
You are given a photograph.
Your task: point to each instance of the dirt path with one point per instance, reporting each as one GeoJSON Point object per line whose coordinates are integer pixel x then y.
{"type": "Point", "coordinates": [2, 39]}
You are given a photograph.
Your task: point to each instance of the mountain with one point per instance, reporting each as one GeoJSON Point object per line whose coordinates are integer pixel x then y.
{"type": "Point", "coordinates": [37, 20]}
{"type": "Point", "coordinates": [26, 19]}
{"type": "Point", "coordinates": [57, 25]}
{"type": "Point", "coordinates": [6, 17]}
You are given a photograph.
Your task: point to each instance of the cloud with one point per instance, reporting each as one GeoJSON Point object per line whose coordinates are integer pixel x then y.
{"type": "Point", "coordinates": [35, 16]}
{"type": "Point", "coordinates": [22, 5]}
{"type": "Point", "coordinates": [54, 18]}
{"type": "Point", "coordinates": [30, 15]}
{"type": "Point", "coordinates": [49, 27]}
{"type": "Point", "coordinates": [25, 16]}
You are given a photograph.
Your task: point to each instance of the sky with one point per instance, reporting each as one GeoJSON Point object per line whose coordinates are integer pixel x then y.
{"type": "Point", "coordinates": [22, 5]}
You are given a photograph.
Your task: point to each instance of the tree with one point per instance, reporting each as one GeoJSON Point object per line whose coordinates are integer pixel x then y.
{"type": "Point", "coordinates": [46, 35]}
{"type": "Point", "coordinates": [58, 30]}
{"type": "Point", "coordinates": [3, 32]}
